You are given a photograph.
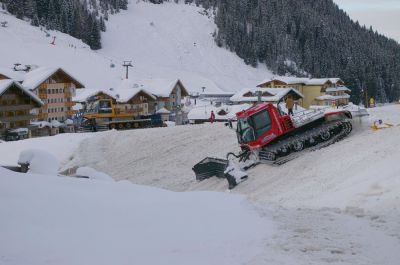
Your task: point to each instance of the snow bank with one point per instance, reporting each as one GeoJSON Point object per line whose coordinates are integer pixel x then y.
{"type": "Point", "coordinates": [40, 162]}
{"type": "Point", "coordinates": [61, 146]}
{"type": "Point", "coordinates": [93, 174]}
{"type": "Point", "coordinates": [47, 220]}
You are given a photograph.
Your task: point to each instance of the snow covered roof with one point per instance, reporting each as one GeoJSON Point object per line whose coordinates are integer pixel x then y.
{"type": "Point", "coordinates": [204, 112]}
{"type": "Point", "coordinates": [289, 80]}
{"type": "Point", "coordinates": [322, 81]}
{"type": "Point", "coordinates": [163, 111]}
{"type": "Point", "coordinates": [56, 124]}
{"type": "Point", "coordinates": [36, 77]}
{"type": "Point", "coordinates": [121, 94]}
{"type": "Point", "coordinates": [157, 87]}
{"type": "Point", "coordinates": [12, 74]}
{"type": "Point", "coordinates": [41, 124]}
{"type": "Point", "coordinates": [128, 89]}
{"type": "Point", "coordinates": [337, 89]}
{"type": "Point", "coordinates": [77, 106]}
{"type": "Point", "coordinates": [330, 97]}
{"type": "Point", "coordinates": [69, 122]}
{"type": "Point", "coordinates": [81, 95]}
{"type": "Point", "coordinates": [7, 83]}
{"type": "Point", "coordinates": [277, 94]}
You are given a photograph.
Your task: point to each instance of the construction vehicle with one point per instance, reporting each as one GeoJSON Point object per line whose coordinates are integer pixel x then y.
{"type": "Point", "coordinates": [17, 134]}
{"type": "Point", "coordinates": [268, 135]}
{"type": "Point", "coordinates": [102, 114]}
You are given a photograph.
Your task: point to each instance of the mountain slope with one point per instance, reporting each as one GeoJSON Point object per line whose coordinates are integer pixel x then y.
{"type": "Point", "coordinates": [178, 44]}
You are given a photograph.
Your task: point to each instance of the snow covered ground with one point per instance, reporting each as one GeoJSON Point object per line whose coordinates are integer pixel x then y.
{"type": "Point", "coordinates": [59, 220]}
{"type": "Point", "coordinates": [61, 146]}
{"type": "Point", "coordinates": [338, 205]}
{"type": "Point", "coordinates": [164, 41]}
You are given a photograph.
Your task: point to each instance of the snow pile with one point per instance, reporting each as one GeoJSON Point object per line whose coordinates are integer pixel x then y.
{"type": "Point", "coordinates": [47, 220]}
{"type": "Point", "coordinates": [62, 146]}
{"type": "Point", "coordinates": [40, 162]}
{"type": "Point", "coordinates": [92, 174]}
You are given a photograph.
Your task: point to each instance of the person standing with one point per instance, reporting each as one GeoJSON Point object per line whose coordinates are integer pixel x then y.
{"type": "Point", "coordinates": [290, 104]}
{"type": "Point", "coordinates": [212, 117]}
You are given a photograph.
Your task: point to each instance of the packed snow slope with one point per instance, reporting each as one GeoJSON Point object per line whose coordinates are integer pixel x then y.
{"type": "Point", "coordinates": [165, 157]}
{"type": "Point", "coordinates": [164, 41]}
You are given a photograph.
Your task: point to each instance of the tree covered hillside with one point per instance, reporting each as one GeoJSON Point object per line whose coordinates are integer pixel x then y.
{"type": "Point", "coordinates": [83, 19]}
{"type": "Point", "coordinates": [309, 37]}
{"type": "Point", "coordinates": [312, 36]}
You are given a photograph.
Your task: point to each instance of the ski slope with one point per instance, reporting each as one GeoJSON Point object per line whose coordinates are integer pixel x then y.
{"type": "Point", "coordinates": [164, 41]}
{"type": "Point", "coordinates": [338, 205]}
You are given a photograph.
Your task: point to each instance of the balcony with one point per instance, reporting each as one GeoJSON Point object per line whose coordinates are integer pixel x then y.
{"type": "Point", "coordinates": [16, 107]}
{"type": "Point", "coordinates": [69, 104]}
{"type": "Point", "coordinates": [135, 110]}
{"type": "Point", "coordinates": [43, 116]}
{"type": "Point", "coordinates": [70, 113]}
{"type": "Point", "coordinates": [17, 118]}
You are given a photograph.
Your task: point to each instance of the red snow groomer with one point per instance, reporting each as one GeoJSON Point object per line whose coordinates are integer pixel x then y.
{"type": "Point", "coordinates": [267, 134]}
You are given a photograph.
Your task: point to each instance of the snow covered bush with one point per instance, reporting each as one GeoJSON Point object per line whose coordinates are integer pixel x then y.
{"type": "Point", "coordinates": [40, 162]}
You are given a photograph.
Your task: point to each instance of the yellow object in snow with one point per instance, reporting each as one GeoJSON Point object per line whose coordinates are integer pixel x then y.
{"type": "Point", "coordinates": [372, 102]}
{"type": "Point", "coordinates": [378, 125]}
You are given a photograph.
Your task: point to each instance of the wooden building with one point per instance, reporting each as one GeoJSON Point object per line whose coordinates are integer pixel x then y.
{"type": "Point", "coordinates": [17, 106]}
{"type": "Point", "coordinates": [135, 101]}
{"type": "Point", "coordinates": [316, 91]}
{"type": "Point", "coordinates": [55, 87]}
{"type": "Point", "coordinates": [272, 95]}
{"type": "Point", "coordinates": [168, 93]}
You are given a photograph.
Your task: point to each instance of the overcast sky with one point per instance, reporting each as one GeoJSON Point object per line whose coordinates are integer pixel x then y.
{"type": "Point", "coordinates": [382, 15]}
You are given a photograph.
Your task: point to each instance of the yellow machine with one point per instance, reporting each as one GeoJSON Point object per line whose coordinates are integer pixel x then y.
{"type": "Point", "coordinates": [102, 115]}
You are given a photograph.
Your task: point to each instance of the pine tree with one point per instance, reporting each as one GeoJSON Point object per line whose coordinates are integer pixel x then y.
{"type": "Point", "coordinates": [102, 24]}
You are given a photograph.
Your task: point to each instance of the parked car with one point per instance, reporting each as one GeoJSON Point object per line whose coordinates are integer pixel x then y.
{"type": "Point", "coordinates": [17, 134]}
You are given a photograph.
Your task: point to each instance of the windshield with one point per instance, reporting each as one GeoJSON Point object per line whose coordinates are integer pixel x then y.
{"type": "Point", "coordinates": [251, 128]}
{"type": "Point", "coordinates": [245, 131]}
{"type": "Point", "coordinates": [262, 123]}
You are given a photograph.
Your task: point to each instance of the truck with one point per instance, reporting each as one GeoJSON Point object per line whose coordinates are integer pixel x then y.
{"type": "Point", "coordinates": [102, 114]}
{"type": "Point", "coordinates": [16, 134]}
